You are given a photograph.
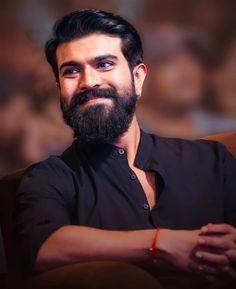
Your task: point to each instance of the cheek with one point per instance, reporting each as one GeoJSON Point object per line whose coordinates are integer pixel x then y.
{"type": "Point", "coordinates": [113, 78]}
{"type": "Point", "coordinates": [122, 73]}
{"type": "Point", "coordinates": [118, 79]}
{"type": "Point", "coordinates": [68, 89]}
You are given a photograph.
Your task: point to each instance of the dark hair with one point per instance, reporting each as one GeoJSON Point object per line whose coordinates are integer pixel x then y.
{"type": "Point", "coordinates": [85, 22]}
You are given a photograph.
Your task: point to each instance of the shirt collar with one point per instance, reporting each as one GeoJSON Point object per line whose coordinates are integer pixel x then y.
{"type": "Point", "coordinates": [153, 153]}
{"type": "Point", "coordinates": [148, 157]}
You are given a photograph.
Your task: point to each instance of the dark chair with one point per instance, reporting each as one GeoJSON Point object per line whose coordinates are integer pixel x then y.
{"type": "Point", "coordinates": [8, 187]}
{"type": "Point", "coordinates": [227, 138]}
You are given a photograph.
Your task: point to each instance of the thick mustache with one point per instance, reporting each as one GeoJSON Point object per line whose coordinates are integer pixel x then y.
{"type": "Point", "coordinates": [83, 97]}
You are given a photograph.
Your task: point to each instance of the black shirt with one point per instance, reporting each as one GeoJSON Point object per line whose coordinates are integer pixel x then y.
{"type": "Point", "coordinates": [95, 187]}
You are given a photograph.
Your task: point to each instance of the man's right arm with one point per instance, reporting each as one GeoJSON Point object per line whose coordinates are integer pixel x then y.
{"type": "Point", "coordinates": [71, 244]}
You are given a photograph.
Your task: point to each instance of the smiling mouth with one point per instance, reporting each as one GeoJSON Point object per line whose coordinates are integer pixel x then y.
{"type": "Point", "coordinates": [96, 100]}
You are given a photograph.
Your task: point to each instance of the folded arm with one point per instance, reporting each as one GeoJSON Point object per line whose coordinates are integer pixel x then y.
{"type": "Point", "coordinates": [71, 244]}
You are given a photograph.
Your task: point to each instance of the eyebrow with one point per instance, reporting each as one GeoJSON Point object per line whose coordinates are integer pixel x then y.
{"type": "Point", "coordinates": [97, 58]}
{"type": "Point", "coordinates": [102, 57]}
{"type": "Point", "coordinates": [69, 63]}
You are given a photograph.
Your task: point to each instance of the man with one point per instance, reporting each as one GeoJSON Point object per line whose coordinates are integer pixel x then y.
{"type": "Point", "coordinates": [105, 196]}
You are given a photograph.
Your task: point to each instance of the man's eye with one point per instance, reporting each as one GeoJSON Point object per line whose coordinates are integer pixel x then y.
{"type": "Point", "coordinates": [71, 71]}
{"type": "Point", "coordinates": [105, 64]}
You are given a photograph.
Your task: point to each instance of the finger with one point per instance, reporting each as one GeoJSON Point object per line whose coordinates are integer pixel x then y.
{"type": "Point", "coordinates": [230, 271]}
{"type": "Point", "coordinates": [221, 242]}
{"type": "Point", "coordinates": [204, 268]}
{"type": "Point", "coordinates": [210, 277]}
{"type": "Point", "coordinates": [218, 259]}
{"type": "Point", "coordinates": [231, 254]}
{"type": "Point", "coordinates": [217, 228]}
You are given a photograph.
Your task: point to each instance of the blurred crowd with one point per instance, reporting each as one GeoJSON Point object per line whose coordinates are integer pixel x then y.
{"type": "Point", "coordinates": [190, 91]}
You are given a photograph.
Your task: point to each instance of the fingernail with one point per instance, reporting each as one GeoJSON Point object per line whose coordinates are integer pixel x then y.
{"type": "Point", "coordinates": [198, 254]}
{"type": "Point", "coordinates": [204, 229]}
{"type": "Point", "coordinates": [201, 241]}
{"type": "Point", "coordinates": [200, 268]}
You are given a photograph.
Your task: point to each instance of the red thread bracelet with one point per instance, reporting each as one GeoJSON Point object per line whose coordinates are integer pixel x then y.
{"type": "Point", "coordinates": [154, 246]}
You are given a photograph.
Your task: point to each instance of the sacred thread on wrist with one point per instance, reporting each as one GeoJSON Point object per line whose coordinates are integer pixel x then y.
{"type": "Point", "coordinates": [153, 248]}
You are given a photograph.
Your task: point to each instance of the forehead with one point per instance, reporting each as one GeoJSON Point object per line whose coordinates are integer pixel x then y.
{"type": "Point", "coordinates": [89, 47]}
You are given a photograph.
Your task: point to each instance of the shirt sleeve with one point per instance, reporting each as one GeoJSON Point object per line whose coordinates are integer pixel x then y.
{"type": "Point", "coordinates": [44, 203]}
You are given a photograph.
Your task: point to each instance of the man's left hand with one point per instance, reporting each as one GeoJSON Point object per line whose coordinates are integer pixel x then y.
{"type": "Point", "coordinates": [218, 241]}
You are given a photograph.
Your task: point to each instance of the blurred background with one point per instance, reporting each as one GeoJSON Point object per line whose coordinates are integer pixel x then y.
{"type": "Point", "coordinates": [190, 91]}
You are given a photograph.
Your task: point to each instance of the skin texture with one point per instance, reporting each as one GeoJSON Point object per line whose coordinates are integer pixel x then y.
{"type": "Point", "coordinates": [97, 61]}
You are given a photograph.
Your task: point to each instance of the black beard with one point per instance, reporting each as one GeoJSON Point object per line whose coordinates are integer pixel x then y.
{"type": "Point", "coordinates": [99, 123]}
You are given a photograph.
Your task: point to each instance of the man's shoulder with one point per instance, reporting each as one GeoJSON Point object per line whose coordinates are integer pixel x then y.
{"type": "Point", "coordinates": [55, 165]}
{"type": "Point", "coordinates": [181, 146]}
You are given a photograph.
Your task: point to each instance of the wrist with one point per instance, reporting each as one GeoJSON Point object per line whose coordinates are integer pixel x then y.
{"type": "Point", "coordinates": [163, 244]}
{"type": "Point", "coordinates": [153, 248]}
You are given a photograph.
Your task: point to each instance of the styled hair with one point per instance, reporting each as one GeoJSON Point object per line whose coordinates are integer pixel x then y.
{"type": "Point", "coordinates": [85, 22]}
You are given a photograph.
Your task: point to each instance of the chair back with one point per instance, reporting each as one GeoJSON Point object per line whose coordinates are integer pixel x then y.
{"type": "Point", "coordinates": [227, 138]}
{"type": "Point", "coordinates": [15, 273]}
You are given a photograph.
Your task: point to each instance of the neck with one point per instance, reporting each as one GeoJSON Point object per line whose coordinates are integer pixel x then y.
{"type": "Point", "coordinates": [130, 140]}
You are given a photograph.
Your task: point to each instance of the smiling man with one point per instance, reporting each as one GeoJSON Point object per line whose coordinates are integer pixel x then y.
{"type": "Point", "coordinates": [119, 194]}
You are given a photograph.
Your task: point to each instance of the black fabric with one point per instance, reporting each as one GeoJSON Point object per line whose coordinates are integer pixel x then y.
{"type": "Point", "coordinates": [94, 186]}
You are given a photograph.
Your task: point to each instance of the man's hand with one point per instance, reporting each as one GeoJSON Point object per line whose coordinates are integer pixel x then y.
{"type": "Point", "coordinates": [217, 246]}
{"type": "Point", "coordinates": [177, 247]}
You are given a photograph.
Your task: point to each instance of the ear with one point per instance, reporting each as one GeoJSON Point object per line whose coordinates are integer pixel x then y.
{"type": "Point", "coordinates": [58, 84]}
{"type": "Point", "coordinates": [139, 73]}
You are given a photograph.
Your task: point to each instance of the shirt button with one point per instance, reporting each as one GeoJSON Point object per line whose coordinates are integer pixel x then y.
{"type": "Point", "coordinates": [133, 177]}
{"type": "Point", "coordinates": [121, 151]}
{"type": "Point", "coordinates": [145, 206]}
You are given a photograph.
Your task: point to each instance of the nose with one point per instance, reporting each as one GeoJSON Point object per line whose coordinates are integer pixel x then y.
{"type": "Point", "coordinates": [90, 78]}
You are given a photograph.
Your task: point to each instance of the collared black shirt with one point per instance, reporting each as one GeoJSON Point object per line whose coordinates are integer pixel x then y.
{"type": "Point", "coordinates": [95, 187]}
